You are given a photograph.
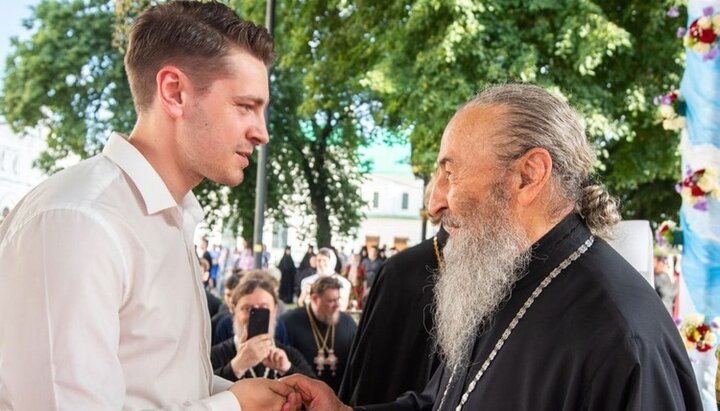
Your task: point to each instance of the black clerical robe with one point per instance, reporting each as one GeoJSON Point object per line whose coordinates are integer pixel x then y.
{"type": "Point", "coordinates": [300, 336]}
{"type": "Point", "coordinates": [393, 351]}
{"type": "Point", "coordinates": [221, 355]}
{"type": "Point", "coordinates": [597, 338]}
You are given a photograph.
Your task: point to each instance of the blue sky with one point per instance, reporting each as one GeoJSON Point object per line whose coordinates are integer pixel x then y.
{"type": "Point", "coordinates": [11, 25]}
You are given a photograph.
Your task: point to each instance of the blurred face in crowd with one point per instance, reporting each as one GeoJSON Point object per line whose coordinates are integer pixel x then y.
{"type": "Point", "coordinates": [227, 294]}
{"type": "Point", "coordinates": [313, 261]}
{"type": "Point", "coordinates": [326, 306]}
{"type": "Point", "coordinates": [373, 253]}
{"type": "Point", "coordinates": [257, 299]}
{"type": "Point", "coordinates": [323, 265]}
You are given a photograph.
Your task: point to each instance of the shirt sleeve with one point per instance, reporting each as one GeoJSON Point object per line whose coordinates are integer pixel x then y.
{"type": "Point", "coordinates": [63, 281]}
{"type": "Point", "coordinates": [62, 290]}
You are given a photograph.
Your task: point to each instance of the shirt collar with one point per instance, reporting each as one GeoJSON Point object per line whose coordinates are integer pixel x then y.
{"type": "Point", "coordinates": [152, 188]}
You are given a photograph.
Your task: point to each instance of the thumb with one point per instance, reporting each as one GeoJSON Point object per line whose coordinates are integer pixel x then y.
{"type": "Point", "coordinates": [299, 383]}
{"type": "Point", "coordinates": [279, 388]}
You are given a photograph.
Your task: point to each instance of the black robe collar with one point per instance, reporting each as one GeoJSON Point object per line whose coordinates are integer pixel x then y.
{"type": "Point", "coordinates": [554, 247]}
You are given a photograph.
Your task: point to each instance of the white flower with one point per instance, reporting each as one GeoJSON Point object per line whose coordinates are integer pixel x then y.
{"type": "Point", "coordinates": [704, 22]}
{"type": "Point", "coordinates": [701, 48]}
{"type": "Point", "coordinates": [667, 111]}
{"type": "Point", "coordinates": [679, 122]}
{"type": "Point", "coordinates": [710, 338]}
{"type": "Point", "coordinates": [709, 182]}
{"type": "Point", "coordinates": [686, 193]}
{"type": "Point", "coordinates": [706, 184]}
{"type": "Point", "coordinates": [674, 124]}
{"type": "Point", "coordinates": [716, 22]}
{"type": "Point", "coordinates": [693, 319]}
{"type": "Point", "coordinates": [669, 124]}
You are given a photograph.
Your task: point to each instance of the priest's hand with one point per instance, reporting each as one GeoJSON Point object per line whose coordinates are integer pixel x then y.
{"type": "Point", "coordinates": [316, 395]}
{"type": "Point", "coordinates": [277, 360]}
{"type": "Point", "coordinates": [250, 353]}
{"type": "Point", "coordinates": [265, 395]}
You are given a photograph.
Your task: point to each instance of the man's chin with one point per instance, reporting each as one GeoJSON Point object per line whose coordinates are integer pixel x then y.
{"type": "Point", "coordinates": [229, 181]}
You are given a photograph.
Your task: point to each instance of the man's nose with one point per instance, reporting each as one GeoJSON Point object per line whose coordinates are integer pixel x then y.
{"type": "Point", "coordinates": [438, 197]}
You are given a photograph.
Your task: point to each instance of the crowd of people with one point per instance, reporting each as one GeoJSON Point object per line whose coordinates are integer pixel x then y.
{"type": "Point", "coordinates": [309, 330]}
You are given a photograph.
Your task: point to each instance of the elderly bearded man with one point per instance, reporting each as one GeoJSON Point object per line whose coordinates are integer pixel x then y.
{"type": "Point", "coordinates": [535, 311]}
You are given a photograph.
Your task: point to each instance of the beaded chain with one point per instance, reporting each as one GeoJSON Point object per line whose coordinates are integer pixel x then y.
{"type": "Point", "coordinates": [506, 334]}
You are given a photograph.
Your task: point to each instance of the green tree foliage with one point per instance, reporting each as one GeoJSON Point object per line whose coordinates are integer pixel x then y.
{"type": "Point", "coordinates": [347, 67]}
{"type": "Point", "coordinates": [608, 58]}
{"type": "Point", "coordinates": [319, 117]}
{"type": "Point", "coordinates": [68, 78]}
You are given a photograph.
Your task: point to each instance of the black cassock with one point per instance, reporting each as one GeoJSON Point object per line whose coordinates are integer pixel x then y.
{"type": "Point", "coordinates": [597, 338]}
{"type": "Point", "coordinates": [393, 351]}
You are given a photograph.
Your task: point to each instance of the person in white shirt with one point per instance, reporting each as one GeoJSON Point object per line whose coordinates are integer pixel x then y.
{"type": "Point", "coordinates": [127, 327]}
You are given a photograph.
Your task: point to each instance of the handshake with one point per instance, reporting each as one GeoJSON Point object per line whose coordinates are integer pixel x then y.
{"type": "Point", "coordinates": [287, 394]}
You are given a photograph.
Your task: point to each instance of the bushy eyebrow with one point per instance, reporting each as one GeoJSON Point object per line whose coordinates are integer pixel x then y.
{"type": "Point", "coordinates": [259, 101]}
{"type": "Point", "coordinates": [442, 162]}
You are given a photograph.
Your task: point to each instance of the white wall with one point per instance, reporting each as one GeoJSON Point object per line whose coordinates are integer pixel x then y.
{"type": "Point", "coordinates": [17, 176]}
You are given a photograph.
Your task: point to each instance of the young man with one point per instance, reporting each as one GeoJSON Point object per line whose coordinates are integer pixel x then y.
{"type": "Point", "coordinates": [110, 333]}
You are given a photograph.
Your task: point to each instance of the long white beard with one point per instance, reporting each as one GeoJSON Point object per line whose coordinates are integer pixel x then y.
{"type": "Point", "coordinates": [484, 258]}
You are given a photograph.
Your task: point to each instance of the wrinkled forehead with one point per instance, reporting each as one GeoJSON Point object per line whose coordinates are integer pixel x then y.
{"type": "Point", "coordinates": [473, 132]}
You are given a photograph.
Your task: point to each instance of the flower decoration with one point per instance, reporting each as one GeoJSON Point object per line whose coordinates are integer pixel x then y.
{"type": "Point", "coordinates": [696, 333]}
{"type": "Point", "coordinates": [698, 185]}
{"type": "Point", "coordinates": [668, 234]}
{"type": "Point", "coordinates": [702, 35]}
{"type": "Point", "coordinates": [671, 110]}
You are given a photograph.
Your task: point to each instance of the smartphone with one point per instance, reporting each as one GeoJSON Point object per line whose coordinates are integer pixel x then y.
{"type": "Point", "coordinates": [259, 322]}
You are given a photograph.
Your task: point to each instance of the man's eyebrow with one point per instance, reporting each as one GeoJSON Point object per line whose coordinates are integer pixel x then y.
{"type": "Point", "coordinates": [254, 99]}
{"type": "Point", "coordinates": [441, 162]}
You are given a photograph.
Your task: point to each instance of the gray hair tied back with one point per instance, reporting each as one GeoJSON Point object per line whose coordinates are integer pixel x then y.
{"type": "Point", "coordinates": [598, 208]}
{"type": "Point", "coordinates": [536, 118]}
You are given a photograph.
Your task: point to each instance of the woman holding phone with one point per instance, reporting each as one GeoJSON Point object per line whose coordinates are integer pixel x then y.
{"type": "Point", "coordinates": [253, 351]}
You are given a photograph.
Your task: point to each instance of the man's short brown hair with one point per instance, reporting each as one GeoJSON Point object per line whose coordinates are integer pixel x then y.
{"type": "Point", "coordinates": [325, 283]}
{"type": "Point", "coordinates": [196, 37]}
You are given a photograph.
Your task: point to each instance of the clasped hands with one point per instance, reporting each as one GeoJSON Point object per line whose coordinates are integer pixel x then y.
{"type": "Point", "coordinates": [287, 394]}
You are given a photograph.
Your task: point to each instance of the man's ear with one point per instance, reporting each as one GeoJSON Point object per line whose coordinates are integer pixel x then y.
{"type": "Point", "coordinates": [172, 87]}
{"type": "Point", "coordinates": [534, 169]}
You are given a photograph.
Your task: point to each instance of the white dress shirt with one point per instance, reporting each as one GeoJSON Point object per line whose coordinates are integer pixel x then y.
{"type": "Point", "coordinates": [101, 300]}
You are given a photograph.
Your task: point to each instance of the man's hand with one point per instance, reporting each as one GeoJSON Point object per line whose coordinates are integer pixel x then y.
{"type": "Point", "coordinates": [316, 395]}
{"type": "Point", "coordinates": [265, 395]}
{"type": "Point", "coordinates": [251, 352]}
{"type": "Point", "coordinates": [277, 360]}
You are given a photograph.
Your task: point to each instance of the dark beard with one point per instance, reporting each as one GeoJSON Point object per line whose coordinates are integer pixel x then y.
{"type": "Point", "coordinates": [484, 257]}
